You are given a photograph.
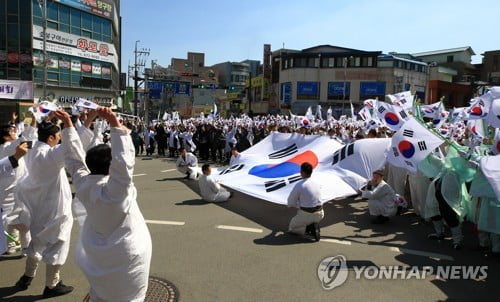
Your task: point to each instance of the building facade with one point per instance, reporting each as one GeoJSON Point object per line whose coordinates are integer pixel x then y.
{"type": "Point", "coordinates": [490, 67]}
{"type": "Point", "coordinates": [83, 46]}
{"type": "Point", "coordinates": [333, 76]}
{"type": "Point", "coordinates": [452, 75]}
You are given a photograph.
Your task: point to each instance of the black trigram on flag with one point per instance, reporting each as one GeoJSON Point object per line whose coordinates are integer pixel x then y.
{"type": "Point", "coordinates": [408, 133]}
{"type": "Point", "coordinates": [381, 109]}
{"type": "Point", "coordinates": [343, 153]}
{"type": "Point", "coordinates": [277, 184]}
{"type": "Point", "coordinates": [422, 146]}
{"type": "Point", "coordinates": [396, 152]}
{"type": "Point", "coordinates": [284, 152]}
{"type": "Point", "coordinates": [402, 101]}
{"type": "Point", "coordinates": [403, 114]}
{"type": "Point", "coordinates": [232, 169]}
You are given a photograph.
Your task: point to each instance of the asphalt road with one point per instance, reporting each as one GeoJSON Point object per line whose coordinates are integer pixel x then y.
{"type": "Point", "coordinates": [237, 251]}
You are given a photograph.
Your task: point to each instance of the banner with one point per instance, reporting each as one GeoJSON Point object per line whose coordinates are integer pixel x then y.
{"type": "Point", "coordinates": [16, 90]}
{"type": "Point", "coordinates": [76, 65]}
{"type": "Point", "coordinates": [73, 45]}
{"type": "Point", "coordinates": [270, 169]}
{"type": "Point", "coordinates": [96, 68]}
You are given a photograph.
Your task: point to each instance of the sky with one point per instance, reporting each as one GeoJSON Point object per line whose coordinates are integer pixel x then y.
{"type": "Point", "coordinates": [236, 30]}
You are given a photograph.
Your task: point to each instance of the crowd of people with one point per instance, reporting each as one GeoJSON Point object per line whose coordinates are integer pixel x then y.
{"type": "Point", "coordinates": [97, 150]}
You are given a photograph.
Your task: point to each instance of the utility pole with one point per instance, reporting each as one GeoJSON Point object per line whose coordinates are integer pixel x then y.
{"type": "Point", "coordinates": [43, 7]}
{"type": "Point", "coordinates": [140, 61]}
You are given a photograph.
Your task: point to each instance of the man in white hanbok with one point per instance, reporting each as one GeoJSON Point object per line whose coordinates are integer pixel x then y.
{"type": "Point", "coordinates": [306, 197]}
{"type": "Point", "coordinates": [210, 190]}
{"type": "Point", "coordinates": [45, 197]}
{"type": "Point", "coordinates": [381, 198]}
{"type": "Point", "coordinates": [8, 167]}
{"type": "Point", "coordinates": [187, 164]}
{"type": "Point", "coordinates": [114, 248]}
{"type": "Point", "coordinates": [9, 140]}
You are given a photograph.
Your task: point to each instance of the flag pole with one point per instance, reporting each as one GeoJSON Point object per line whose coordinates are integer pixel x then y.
{"type": "Point", "coordinates": [11, 238]}
{"type": "Point", "coordinates": [433, 130]}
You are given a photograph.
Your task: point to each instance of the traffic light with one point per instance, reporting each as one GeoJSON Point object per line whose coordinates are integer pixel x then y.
{"type": "Point", "coordinates": [202, 86]}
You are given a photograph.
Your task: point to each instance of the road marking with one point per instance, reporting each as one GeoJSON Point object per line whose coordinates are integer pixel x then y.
{"type": "Point", "coordinates": [421, 253]}
{"type": "Point", "coordinates": [138, 175]}
{"type": "Point", "coordinates": [169, 170]}
{"type": "Point", "coordinates": [336, 241]}
{"type": "Point", "coordinates": [398, 250]}
{"type": "Point", "coordinates": [236, 228]}
{"type": "Point", "coordinates": [165, 222]}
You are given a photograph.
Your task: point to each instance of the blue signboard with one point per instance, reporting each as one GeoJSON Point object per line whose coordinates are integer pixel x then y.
{"type": "Point", "coordinates": [337, 88]}
{"type": "Point", "coordinates": [372, 88]}
{"type": "Point", "coordinates": [286, 93]}
{"type": "Point", "coordinates": [102, 8]}
{"type": "Point", "coordinates": [307, 88]}
{"type": "Point", "coordinates": [182, 88]}
{"type": "Point", "coordinates": [156, 88]}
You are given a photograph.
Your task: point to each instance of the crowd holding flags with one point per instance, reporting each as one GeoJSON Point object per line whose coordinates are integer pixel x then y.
{"type": "Point", "coordinates": [453, 146]}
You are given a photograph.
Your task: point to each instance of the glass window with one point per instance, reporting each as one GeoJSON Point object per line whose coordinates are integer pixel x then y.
{"type": "Point", "coordinates": [108, 39]}
{"type": "Point", "coordinates": [96, 24]}
{"type": "Point", "coordinates": [37, 11]}
{"type": "Point", "coordinates": [106, 27]}
{"type": "Point", "coordinates": [65, 77]}
{"type": "Point", "coordinates": [38, 21]}
{"type": "Point", "coordinates": [76, 18]}
{"type": "Point", "coordinates": [52, 12]}
{"type": "Point", "coordinates": [53, 25]}
{"type": "Point", "coordinates": [75, 78]}
{"type": "Point", "coordinates": [87, 21]}
{"type": "Point", "coordinates": [370, 62]}
{"type": "Point", "coordinates": [96, 36]}
{"type": "Point", "coordinates": [25, 43]}
{"type": "Point", "coordinates": [12, 7]}
{"type": "Point", "coordinates": [13, 73]}
{"type": "Point", "coordinates": [13, 37]}
{"type": "Point", "coordinates": [86, 33]}
{"type": "Point", "coordinates": [331, 62]}
{"type": "Point", "coordinates": [64, 27]}
{"type": "Point", "coordinates": [357, 61]}
{"type": "Point", "coordinates": [64, 14]}
{"type": "Point", "coordinates": [52, 76]}
{"type": "Point", "coordinates": [75, 30]}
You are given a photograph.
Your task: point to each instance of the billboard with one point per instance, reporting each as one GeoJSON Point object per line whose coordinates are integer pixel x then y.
{"type": "Point", "coordinates": [337, 88]}
{"type": "Point", "coordinates": [286, 93]}
{"type": "Point", "coordinates": [307, 88]}
{"type": "Point", "coordinates": [372, 88]}
{"type": "Point", "coordinates": [97, 7]}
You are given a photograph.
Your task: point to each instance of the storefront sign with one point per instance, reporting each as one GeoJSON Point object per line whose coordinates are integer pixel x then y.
{"type": "Point", "coordinates": [16, 90]}
{"type": "Point", "coordinates": [97, 7]}
{"type": "Point", "coordinates": [73, 45]}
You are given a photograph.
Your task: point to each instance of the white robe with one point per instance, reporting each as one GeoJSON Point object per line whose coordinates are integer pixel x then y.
{"type": "Point", "coordinates": [8, 183]}
{"type": "Point", "coordinates": [188, 165]}
{"type": "Point", "coordinates": [114, 248]}
{"type": "Point", "coordinates": [6, 170]}
{"type": "Point", "coordinates": [212, 191]}
{"type": "Point", "coordinates": [419, 184]}
{"type": "Point", "coordinates": [381, 200]}
{"type": "Point", "coordinates": [396, 178]}
{"type": "Point", "coordinates": [45, 197]}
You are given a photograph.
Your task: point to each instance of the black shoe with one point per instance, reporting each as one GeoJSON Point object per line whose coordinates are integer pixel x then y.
{"type": "Point", "coordinates": [24, 282]}
{"type": "Point", "coordinates": [316, 232]}
{"type": "Point", "coordinates": [231, 194]}
{"type": "Point", "coordinates": [59, 290]}
{"type": "Point", "coordinates": [187, 177]}
{"type": "Point", "coordinates": [379, 219]}
{"type": "Point", "coordinates": [457, 246]}
{"type": "Point", "coordinates": [310, 229]}
{"type": "Point", "coordinates": [435, 236]}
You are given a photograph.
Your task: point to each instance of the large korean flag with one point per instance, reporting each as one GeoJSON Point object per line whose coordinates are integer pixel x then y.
{"type": "Point", "coordinates": [356, 161]}
{"type": "Point", "coordinates": [411, 144]}
{"type": "Point", "coordinates": [270, 169]}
